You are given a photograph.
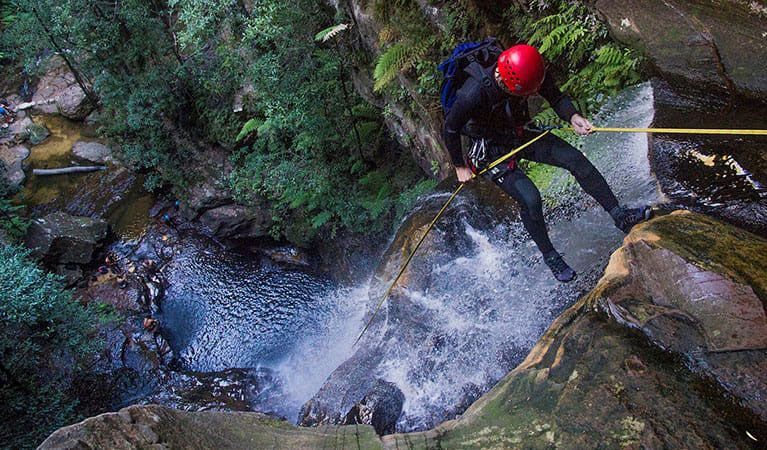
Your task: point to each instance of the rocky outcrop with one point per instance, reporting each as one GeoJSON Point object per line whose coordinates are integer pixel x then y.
{"type": "Point", "coordinates": [694, 41]}
{"type": "Point", "coordinates": [237, 221]}
{"type": "Point", "coordinates": [58, 93]}
{"type": "Point", "coordinates": [667, 351]}
{"type": "Point", "coordinates": [414, 128]}
{"type": "Point", "coordinates": [160, 427]}
{"type": "Point", "coordinates": [12, 164]}
{"type": "Point", "coordinates": [66, 243]}
{"type": "Point", "coordinates": [381, 407]}
{"type": "Point", "coordinates": [93, 152]}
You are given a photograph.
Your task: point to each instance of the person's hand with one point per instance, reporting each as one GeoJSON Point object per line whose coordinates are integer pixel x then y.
{"type": "Point", "coordinates": [581, 125]}
{"type": "Point", "coordinates": [464, 174]}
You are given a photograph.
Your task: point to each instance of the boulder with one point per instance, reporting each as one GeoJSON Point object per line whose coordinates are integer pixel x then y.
{"type": "Point", "coordinates": [694, 42]}
{"type": "Point", "coordinates": [381, 407]}
{"type": "Point", "coordinates": [37, 133]}
{"type": "Point", "coordinates": [203, 196]}
{"type": "Point", "coordinates": [668, 351]}
{"type": "Point", "coordinates": [93, 152]}
{"type": "Point", "coordinates": [17, 132]}
{"type": "Point", "coordinates": [58, 93]}
{"type": "Point", "coordinates": [237, 221]}
{"type": "Point", "coordinates": [160, 427]}
{"type": "Point", "coordinates": [12, 164]}
{"type": "Point", "coordinates": [62, 239]}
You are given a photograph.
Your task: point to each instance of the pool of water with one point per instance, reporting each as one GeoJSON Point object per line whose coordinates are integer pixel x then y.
{"type": "Point", "coordinates": [115, 194]}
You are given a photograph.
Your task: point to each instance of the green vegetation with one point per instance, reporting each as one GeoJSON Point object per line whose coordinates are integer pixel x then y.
{"type": "Point", "coordinates": [46, 340]}
{"type": "Point", "coordinates": [166, 75]}
{"type": "Point", "coordinates": [587, 63]}
{"type": "Point", "coordinates": [578, 45]}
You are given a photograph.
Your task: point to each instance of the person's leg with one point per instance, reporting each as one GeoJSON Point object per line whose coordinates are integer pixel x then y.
{"type": "Point", "coordinates": [555, 151]}
{"type": "Point", "coordinates": [523, 190]}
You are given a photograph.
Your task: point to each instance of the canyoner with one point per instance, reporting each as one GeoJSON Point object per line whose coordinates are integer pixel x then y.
{"type": "Point", "coordinates": [490, 108]}
{"type": "Point", "coordinates": [484, 97]}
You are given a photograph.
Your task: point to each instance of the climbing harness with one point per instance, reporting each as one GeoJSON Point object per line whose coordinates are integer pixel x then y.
{"type": "Point", "coordinates": [431, 225]}
{"type": "Point", "coordinates": [545, 131]}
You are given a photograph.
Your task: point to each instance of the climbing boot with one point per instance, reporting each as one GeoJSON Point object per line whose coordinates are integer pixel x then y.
{"type": "Point", "coordinates": [626, 218]}
{"type": "Point", "coordinates": [562, 272]}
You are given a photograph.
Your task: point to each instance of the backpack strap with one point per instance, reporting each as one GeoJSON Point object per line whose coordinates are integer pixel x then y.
{"type": "Point", "coordinates": [475, 70]}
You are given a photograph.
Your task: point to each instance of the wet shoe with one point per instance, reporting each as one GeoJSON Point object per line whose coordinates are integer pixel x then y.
{"type": "Point", "coordinates": [562, 272]}
{"type": "Point", "coordinates": [626, 218]}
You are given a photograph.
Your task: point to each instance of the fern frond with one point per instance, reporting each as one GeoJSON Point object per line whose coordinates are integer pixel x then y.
{"type": "Point", "coordinates": [330, 32]}
{"type": "Point", "coordinates": [396, 59]}
{"type": "Point", "coordinates": [249, 127]}
{"type": "Point", "coordinates": [386, 35]}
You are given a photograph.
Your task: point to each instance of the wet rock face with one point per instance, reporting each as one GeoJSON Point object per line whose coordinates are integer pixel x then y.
{"type": "Point", "coordinates": [724, 176]}
{"type": "Point", "coordinates": [667, 351]}
{"type": "Point", "coordinates": [160, 427]}
{"type": "Point", "coordinates": [381, 407]}
{"type": "Point", "coordinates": [698, 288]}
{"type": "Point", "coordinates": [58, 93]}
{"type": "Point", "coordinates": [66, 242]}
{"type": "Point", "coordinates": [693, 41]}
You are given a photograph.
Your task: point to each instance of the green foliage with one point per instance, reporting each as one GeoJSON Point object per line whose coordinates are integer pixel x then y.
{"type": "Point", "coordinates": [396, 59]}
{"type": "Point", "coordinates": [578, 44]}
{"type": "Point", "coordinates": [249, 127]}
{"type": "Point", "coordinates": [46, 339]}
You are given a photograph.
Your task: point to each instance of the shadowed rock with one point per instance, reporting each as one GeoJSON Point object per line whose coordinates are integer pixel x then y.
{"type": "Point", "coordinates": [693, 41]}
{"type": "Point", "coordinates": [381, 407]}
{"type": "Point", "coordinates": [66, 242]}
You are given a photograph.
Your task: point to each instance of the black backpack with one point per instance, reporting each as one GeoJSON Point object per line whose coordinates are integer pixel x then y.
{"type": "Point", "coordinates": [469, 59]}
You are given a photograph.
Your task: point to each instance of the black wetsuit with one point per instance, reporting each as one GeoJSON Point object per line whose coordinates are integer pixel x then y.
{"type": "Point", "coordinates": [494, 120]}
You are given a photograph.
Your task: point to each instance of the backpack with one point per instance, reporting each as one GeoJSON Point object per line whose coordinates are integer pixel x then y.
{"type": "Point", "coordinates": [469, 59]}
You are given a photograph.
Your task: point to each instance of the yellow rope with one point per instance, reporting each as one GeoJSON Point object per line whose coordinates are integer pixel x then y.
{"type": "Point", "coordinates": [677, 131]}
{"type": "Point", "coordinates": [434, 221]}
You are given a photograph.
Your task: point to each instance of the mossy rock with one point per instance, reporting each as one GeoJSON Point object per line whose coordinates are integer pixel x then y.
{"type": "Point", "coordinates": [155, 426]}
{"type": "Point", "coordinates": [37, 133]}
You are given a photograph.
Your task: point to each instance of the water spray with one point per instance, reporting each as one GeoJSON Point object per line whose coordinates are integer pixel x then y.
{"type": "Point", "coordinates": [507, 156]}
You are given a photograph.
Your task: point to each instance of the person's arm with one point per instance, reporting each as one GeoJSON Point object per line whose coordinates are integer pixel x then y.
{"type": "Point", "coordinates": [468, 98]}
{"type": "Point", "coordinates": [564, 107]}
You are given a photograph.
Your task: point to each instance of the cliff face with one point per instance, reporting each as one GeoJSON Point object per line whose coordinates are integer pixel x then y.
{"type": "Point", "coordinates": [717, 46]}
{"type": "Point", "coordinates": [668, 351]}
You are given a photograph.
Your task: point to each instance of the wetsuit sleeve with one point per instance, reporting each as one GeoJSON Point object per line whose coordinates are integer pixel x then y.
{"type": "Point", "coordinates": [561, 103]}
{"type": "Point", "coordinates": [467, 101]}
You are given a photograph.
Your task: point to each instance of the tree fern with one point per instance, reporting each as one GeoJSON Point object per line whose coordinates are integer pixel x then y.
{"type": "Point", "coordinates": [396, 59]}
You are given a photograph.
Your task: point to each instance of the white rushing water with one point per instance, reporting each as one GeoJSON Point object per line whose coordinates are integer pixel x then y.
{"type": "Point", "coordinates": [482, 310]}
{"type": "Point", "coordinates": [484, 299]}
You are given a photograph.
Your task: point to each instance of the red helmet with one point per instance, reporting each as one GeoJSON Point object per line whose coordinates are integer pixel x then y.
{"type": "Point", "coordinates": [521, 69]}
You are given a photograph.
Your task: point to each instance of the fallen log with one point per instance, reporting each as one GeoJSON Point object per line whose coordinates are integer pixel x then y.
{"type": "Point", "coordinates": [66, 170]}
